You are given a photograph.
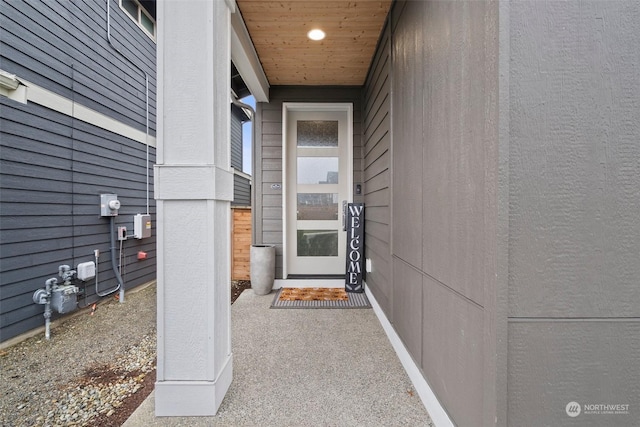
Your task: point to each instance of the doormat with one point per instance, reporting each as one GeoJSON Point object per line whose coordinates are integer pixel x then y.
{"type": "Point", "coordinates": [319, 298]}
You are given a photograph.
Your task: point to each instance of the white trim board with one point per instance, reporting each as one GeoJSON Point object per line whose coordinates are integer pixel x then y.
{"type": "Point", "coordinates": [245, 58]}
{"type": "Point", "coordinates": [12, 88]}
{"type": "Point", "coordinates": [193, 398]}
{"type": "Point", "coordinates": [46, 98]}
{"type": "Point", "coordinates": [241, 174]}
{"type": "Point", "coordinates": [438, 414]}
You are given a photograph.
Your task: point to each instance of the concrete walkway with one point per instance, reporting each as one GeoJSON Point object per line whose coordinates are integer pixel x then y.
{"type": "Point", "coordinates": [315, 367]}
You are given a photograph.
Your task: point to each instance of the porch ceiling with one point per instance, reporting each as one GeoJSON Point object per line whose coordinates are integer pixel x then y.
{"type": "Point", "coordinates": [279, 30]}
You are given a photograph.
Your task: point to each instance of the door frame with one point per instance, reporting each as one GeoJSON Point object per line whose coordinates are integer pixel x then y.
{"type": "Point", "coordinates": [288, 107]}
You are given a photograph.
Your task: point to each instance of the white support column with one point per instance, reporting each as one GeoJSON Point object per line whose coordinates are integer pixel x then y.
{"type": "Point", "coordinates": [193, 188]}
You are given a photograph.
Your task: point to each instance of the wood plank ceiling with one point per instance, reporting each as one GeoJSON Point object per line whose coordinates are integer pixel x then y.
{"type": "Point", "coordinates": [279, 30]}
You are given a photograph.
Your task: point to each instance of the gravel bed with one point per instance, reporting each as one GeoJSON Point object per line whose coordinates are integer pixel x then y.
{"type": "Point", "coordinates": [92, 364]}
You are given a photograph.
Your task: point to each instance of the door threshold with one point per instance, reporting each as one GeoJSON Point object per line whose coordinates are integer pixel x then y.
{"type": "Point", "coordinates": [315, 276]}
{"type": "Point", "coordinates": [308, 283]}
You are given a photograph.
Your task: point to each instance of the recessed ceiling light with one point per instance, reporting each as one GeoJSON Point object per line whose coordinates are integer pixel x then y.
{"type": "Point", "coordinates": [316, 34]}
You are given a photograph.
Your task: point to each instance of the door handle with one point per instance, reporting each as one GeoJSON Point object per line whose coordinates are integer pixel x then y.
{"type": "Point", "coordinates": [344, 215]}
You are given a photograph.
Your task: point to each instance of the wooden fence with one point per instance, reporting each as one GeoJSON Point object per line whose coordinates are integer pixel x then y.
{"type": "Point", "coordinates": [240, 243]}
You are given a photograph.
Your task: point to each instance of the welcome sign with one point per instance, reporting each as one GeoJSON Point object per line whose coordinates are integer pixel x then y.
{"type": "Point", "coordinates": [355, 247]}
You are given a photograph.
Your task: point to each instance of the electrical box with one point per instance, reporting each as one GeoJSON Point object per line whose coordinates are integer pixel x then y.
{"type": "Point", "coordinates": [122, 233]}
{"type": "Point", "coordinates": [141, 226]}
{"type": "Point", "coordinates": [109, 205]}
{"type": "Point", "coordinates": [86, 271]}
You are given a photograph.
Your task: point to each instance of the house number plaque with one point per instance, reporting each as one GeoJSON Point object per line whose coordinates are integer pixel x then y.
{"type": "Point", "coordinates": [355, 247]}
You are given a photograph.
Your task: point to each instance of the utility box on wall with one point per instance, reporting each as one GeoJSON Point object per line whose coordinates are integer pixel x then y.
{"type": "Point", "coordinates": [109, 205]}
{"type": "Point", "coordinates": [142, 226]}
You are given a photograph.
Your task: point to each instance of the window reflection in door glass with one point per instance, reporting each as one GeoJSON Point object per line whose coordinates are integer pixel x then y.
{"type": "Point", "coordinates": [317, 243]}
{"type": "Point", "coordinates": [317, 206]}
{"type": "Point", "coordinates": [317, 170]}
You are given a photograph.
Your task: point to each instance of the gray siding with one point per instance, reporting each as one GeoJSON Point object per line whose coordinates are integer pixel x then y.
{"type": "Point", "coordinates": [582, 220]}
{"type": "Point", "coordinates": [268, 155]}
{"type": "Point", "coordinates": [574, 198]}
{"type": "Point", "coordinates": [53, 167]}
{"type": "Point", "coordinates": [514, 233]}
{"type": "Point", "coordinates": [241, 185]}
{"type": "Point", "coordinates": [376, 172]}
{"type": "Point", "coordinates": [241, 191]}
{"type": "Point", "coordinates": [430, 121]}
{"type": "Point", "coordinates": [62, 46]}
{"type": "Point", "coordinates": [236, 138]}
{"type": "Point", "coordinates": [554, 362]}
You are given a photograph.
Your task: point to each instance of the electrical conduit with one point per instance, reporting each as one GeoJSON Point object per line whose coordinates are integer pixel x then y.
{"type": "Point", "coordinates": [146, 83]}
{"type": "Point", "coordinates": [120, 285]}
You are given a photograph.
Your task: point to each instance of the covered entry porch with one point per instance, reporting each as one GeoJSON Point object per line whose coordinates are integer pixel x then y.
{"type": "Point", "coordinates": [307, 367]}
{"type": "Point", "coordinates": [501, 204]}
{"type": "Point", "coordinates": [193, 183]}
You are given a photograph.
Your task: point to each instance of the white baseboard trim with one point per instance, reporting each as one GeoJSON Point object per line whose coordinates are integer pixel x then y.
{"type": "Point", "coordinates": [308, 283]}
{"type": "Point", "coordinates": [193, 398]}
{"type": "Point", "coordinates": [438, 415]}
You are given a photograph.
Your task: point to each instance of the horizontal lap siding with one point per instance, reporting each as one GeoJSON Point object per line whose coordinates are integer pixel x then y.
{"type": "Point", "coordinates": [236, 141]}
{"type": "Point", "coordinates": [376, 151]}
{"type": "Point", "coordinates": [50, 183]}
{"type": "Point", "coordinates": [268, 214]}
{"type": "Point", "coordinates": [53, 167]}
{"type": "Point", "coordinates": [241, 185]}
{"type": "Point", "coordinates": [241, 191]}
{"type": "Point", "coordinates": [241, 244]}
{"type": "Point", "coordinates": [63, 46]}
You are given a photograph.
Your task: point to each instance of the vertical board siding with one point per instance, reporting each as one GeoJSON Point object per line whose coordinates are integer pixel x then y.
{"type": "Point", "coordinates": [429, 121]}
{"type": "Point", "coordinates": [268, 206]}
{"type": "Point", "coordinates": [585, 231]}
{"type": "Point", "coordinates": [408, 137]}
{"type": "Point", "coordinates": [53, 167]}
{"type": "Point", "coordinates": [552, 190]}
{"type": "Point", "coordinates": [574, 210]}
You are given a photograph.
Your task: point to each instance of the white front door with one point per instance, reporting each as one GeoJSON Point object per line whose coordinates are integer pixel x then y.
{"type": "Point", "coordinates": [318, 167]}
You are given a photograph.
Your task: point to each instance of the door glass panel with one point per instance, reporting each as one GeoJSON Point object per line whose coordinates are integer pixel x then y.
{"type": "Point", "coordinates": [318, 206]}
{"type": "Point", "coordinates": [317, 133]}
{"type": "Point", "coordinates": [317, 243]}
{"type": "Point", "coordinates": [317, 170]}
